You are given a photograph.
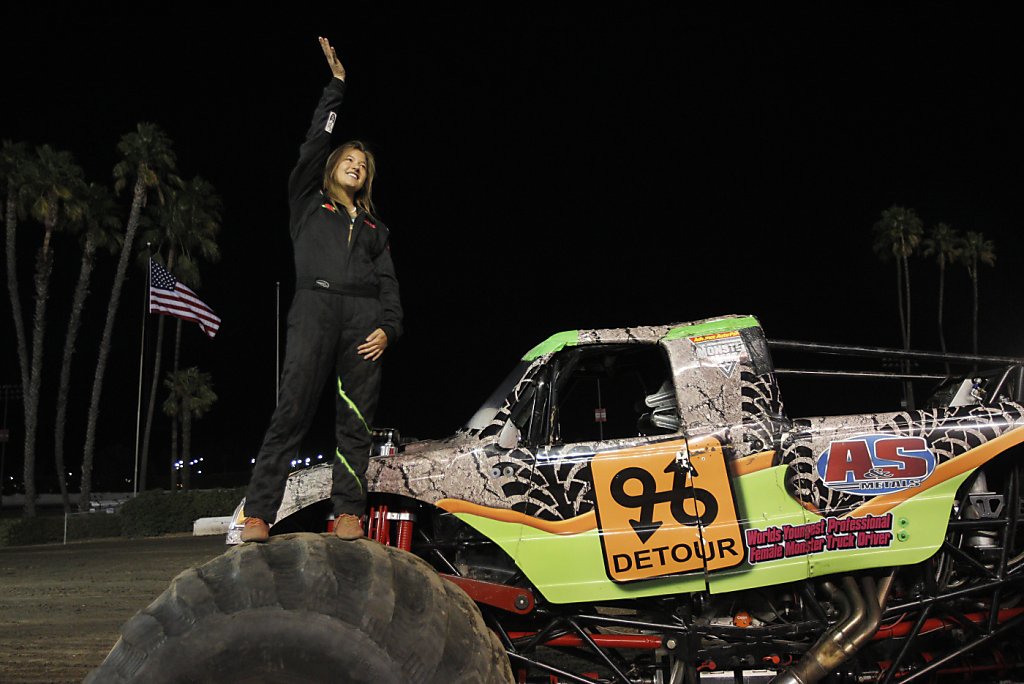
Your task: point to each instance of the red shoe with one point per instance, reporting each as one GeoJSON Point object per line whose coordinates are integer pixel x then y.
{"type": "Point", "coordinates": [348, 527]}
{"type": "Point", "coordinates": [255, 530]}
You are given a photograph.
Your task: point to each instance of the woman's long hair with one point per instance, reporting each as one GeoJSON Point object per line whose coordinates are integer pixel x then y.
{"type": "Point", "coordinates": [364, 197]}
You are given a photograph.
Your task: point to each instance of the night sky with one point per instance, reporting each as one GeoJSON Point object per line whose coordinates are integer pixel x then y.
{"type": "Point", "coordinates": [541, 168]}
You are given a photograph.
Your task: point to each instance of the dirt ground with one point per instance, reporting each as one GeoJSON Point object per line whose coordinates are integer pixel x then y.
{"type": "Point", "coordinates": [62, 607]}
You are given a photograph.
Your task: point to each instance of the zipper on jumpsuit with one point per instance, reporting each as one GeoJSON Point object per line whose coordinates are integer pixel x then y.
{"type": "Point", "coordinates": [352, 221]}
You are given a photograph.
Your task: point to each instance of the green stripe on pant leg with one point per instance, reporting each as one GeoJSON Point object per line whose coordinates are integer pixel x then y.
{"type": "Point", "coordinates": [352, 405]}
{"type": "Point", "coordinates": [349, 468]}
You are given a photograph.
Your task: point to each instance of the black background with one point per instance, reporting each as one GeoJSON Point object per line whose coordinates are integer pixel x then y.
{"type": "Point", "coordinates": [542, 168]}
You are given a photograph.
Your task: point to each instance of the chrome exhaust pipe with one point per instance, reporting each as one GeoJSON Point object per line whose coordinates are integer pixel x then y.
{"type": "Point", "coordinates": [839, 597]}
{"type": "Point", "coordinates": [884, 587]}
{"type": "Point", "coordinates": [872, 618]}
{"type": "Point", "coordinates": [861, 614]}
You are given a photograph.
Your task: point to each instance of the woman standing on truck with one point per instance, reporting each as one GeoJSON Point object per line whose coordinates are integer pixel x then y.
{"type": "Point", "coordinates": [345, 313]}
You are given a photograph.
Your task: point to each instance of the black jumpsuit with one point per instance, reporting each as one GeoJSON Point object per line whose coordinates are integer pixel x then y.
{"type": "Point", "coordinates": [345, 288]}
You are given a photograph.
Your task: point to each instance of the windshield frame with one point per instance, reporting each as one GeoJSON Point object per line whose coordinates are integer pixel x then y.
{"type": "Point", "coordinates": [498, 399]}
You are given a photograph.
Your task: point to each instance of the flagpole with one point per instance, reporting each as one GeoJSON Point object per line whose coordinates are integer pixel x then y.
{"type": "Point", "coordinates": [277, 347]}
{"type": "Point", "coordinates": [142, 353]}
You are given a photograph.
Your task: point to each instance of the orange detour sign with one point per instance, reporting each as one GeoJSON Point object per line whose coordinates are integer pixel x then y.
{"type": "Point", "coordinates": [664, 511]}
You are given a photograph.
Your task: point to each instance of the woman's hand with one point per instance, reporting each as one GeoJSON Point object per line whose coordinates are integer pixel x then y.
{"type": "Point", "coordinates": [332, 59]}
{"type": "Point", "coordinates": [376, 343]}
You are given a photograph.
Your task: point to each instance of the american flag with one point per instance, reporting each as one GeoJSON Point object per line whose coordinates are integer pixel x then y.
{"type": "Point", "coordinates": [168, 296]}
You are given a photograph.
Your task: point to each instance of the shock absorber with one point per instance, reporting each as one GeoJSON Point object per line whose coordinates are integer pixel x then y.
{"type": "Point", "coordinates": [383, 531]}
{"type": "Point", "coordinates": [378, 527]}
{"type": "Point", "coordinates": [405, 526]}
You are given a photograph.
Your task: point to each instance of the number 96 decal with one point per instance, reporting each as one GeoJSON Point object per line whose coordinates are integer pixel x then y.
{"type": "Point", "coordinates": [662, 512]}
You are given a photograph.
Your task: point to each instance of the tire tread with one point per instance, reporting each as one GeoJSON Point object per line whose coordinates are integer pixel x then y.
{"type": "Point", "coordinates": [426, 627]}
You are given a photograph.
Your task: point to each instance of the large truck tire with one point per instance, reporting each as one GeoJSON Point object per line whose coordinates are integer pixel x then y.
{"type": "Point", "coordinates": [308, 608]}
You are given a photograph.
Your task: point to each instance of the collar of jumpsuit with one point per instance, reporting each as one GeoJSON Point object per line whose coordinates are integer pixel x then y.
{"type": "Point", "coordinates": [336, 207]}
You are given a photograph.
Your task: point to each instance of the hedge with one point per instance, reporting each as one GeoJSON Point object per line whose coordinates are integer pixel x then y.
{"type": "Point", "coordinates": [50, 529]}
{"type": "Point", "coordinates": [159, 512]}
{"type": "Point", "coordinates": [148, 514]}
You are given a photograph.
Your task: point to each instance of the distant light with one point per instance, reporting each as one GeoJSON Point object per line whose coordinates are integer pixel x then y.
{"type": "Point", "coordinates": [319, 456]}
{"type": "Point", "coordinates": [200, 459]}
{"type": "Point", "coordinates": [200, 472]}
{"type": "Point", "coordinates": [252, 460]}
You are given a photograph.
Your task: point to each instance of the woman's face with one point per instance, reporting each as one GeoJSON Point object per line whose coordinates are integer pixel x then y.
{"type": "Point", "coordinates": [350, 173]}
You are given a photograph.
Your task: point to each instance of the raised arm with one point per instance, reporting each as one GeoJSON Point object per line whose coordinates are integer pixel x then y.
{"type": "Point", "coordinates": [307, 176]}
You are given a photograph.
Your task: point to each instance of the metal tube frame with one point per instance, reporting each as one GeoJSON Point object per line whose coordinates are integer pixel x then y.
{"type": "Point", "coordinates": [866, 375]}
{"type": "Point", "coordinates": [597, 649]}
{"type": "Point", "coordinates": [980, 641]}
{"type": "Point", "coordinates": [1014, 367]}
{"type": "Point", "coordinates": [769, 636]}
{"type": "Point", "coordinates": [1007, 527]}
{"type": "Point", "coordinates": [887, 352]}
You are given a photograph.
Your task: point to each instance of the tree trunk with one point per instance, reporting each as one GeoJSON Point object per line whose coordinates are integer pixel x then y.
{"type": "Point", "coordinates": [177, 343]}
{"type": "Point", "coordinates": [899, 298]}
{"type": "Point", "coordinates": [174, 418]}
{"type": "Point", "coordinates": [138, 195]}
{"type": "Point", "coordinates": [144, 454]}
{"type": "Point", "coordinates": [974, 323]}
{"type": "Point", "coordinates": [11, 223]}
{"type": "Point", "coordinates": [903, 294]}
{"type": "Point", "coordinates": [174, 470]}
{"type": "Point", "coordinates": [158, 357]}
{"type": "Point", "coordinates": [44, 266]}
{"type": "Point", "coordinates": [906, 283]}
{"type": "Point", "coordinates": [77, 304]}
{"type": "Point", "coordinates": [174, 447]}
{"type": "Point", "coordinates": [186, 446]}
{"type": "Point", "coordinates": [942, 290]}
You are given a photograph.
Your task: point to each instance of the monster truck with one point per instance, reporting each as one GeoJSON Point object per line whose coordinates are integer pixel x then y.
{"type": "Point", "coordinates": [636, 506]}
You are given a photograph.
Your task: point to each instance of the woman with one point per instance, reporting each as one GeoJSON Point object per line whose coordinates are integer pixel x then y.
{"type": "Point", "coordinates": [346, 312]}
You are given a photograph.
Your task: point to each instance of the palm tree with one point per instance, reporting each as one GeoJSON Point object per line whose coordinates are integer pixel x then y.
{"type": "Point", "coordinates": [943, 243]}
{"type": "Point", "coordinates": [13, 160]}
{"type": "Point", "coordinates": [172, 409]}
{"type": "Point", "coordinates": [187, 225]}
{"type": "Point", "coordinates": [897, 234]}
{"type": "Point", "coordinates": [191, 396]}
{"type": "Point", "coordinates": [101, 231]}
{"type": "Point", "coordinates": [147, 158]}
{"type": "Point", "coordinates": [976, 250]}
{"type": "Point", "coordinates": [53, 188]}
